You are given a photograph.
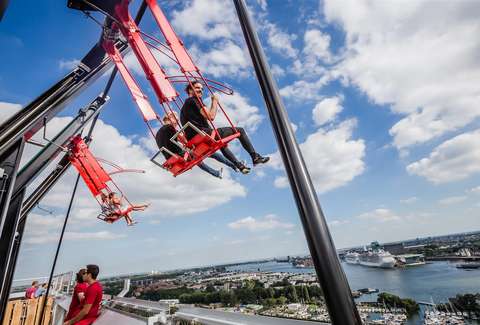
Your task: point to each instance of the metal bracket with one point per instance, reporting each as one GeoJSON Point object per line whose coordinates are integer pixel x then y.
{"type": "Point", "coordinates": [182, 129]}
{"type": "Point", "coordinates": [153, 159]}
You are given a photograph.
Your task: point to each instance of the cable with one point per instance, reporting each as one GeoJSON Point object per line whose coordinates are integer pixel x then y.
{"type": "Point", "coordinates": [58, 247]}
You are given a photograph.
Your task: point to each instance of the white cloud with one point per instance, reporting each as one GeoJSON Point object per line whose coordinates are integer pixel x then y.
{"type": "Point", "coordinates": [333, 158]}
{"type": "Point", "coordinates": [46, 228]}
{"type": "Point", "coordinates": [452, 200]}
{"type": "Point", "coordinates": [410, 200]}
{"type": "Point", "coordinates": [64, 64]}
{"type": "Point", "coordinates": [7, 110]}
{"type": "Point", "coordinates": [424, 66]}
{"type": "Point", "coordinates": [317, 46]}
{"type": "Point", "coordinates": [379, 215]}
{"type": "Point", "coordinates": [277, 70]}
{"type": "Point", "coordinates": [262, 4]}
{"type": "Point", "coordinates": [208, 20]}
{"type": "Point", "coordinates": [302, 90]}
{"type": "Point", "coordinates": [315, 55]}
{"type": "Point", "coordinates": [240, 112]}
{"type": "Point", "coordinates": [281, 182]}
{"type": "Point", "coordinates": [294, 126]}
{"type": "Point", "coordinates": [336, 223]}
{"type": "Point", "coordinates": [475, 190]}
{"type": "Point", "coordinates": [223, 59]}
{"type": "Point", "coordinates": [280, 41]}
{"type": "Point", "coordinates": [266, 223]}
{"type": "Point", "coordinates": [327, 109]}
{"type": "Point", "coordinates": [453, 160]}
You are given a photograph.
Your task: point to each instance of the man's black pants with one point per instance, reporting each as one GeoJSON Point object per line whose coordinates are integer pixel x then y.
{"type": "Point", "coordinates": [244, 140]}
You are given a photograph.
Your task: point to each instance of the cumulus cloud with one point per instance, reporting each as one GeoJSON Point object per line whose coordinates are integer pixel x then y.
{"type": "Point", "coordinates": [452, 200]}
{"type": "Point", "coordinates": [333, 158]}
{"type": "Point", "coordinates": [208, 20]}
{"type": "Point", "coordinates": [268, 222]}
{"type": "Point", "coordinates": [223, 59]}
{"type": "Point", "coordinates": [327, 109]}
{"type": "Point", "coordinates": [453, 160]}
{"type": "Point", "coordinates": [45, 228]}
{"type": "Point", "coordinates": [277, 70]}
{"type": "Point", "coordinates": [423, 67]}
{"type": "Point", "coordinates": [7, 110]}
{"type": "Point", "coordinates": [280, 41]}
{"type": "Point", "coordinates": [379, 215]}
{"type": "Point", "coordinates": [281, 182]}
{"type": "Point", "coordinates": [336, 223]}
{"type": "Point", "coordinates": [475, 190]}
{"type": "Point", "coordinates": [410, 200]}
{"type": "Point", "coordinates": [302, 90]}
{"type": "Point", "coordinates": [239, 111]}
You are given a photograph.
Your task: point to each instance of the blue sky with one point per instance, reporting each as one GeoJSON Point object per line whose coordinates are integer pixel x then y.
{"type": "Point", "coordinates": [383, 99]}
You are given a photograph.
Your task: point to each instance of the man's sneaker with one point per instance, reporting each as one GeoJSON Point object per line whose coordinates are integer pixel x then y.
{"type": "Point", "coordinates": [259, 159]}
{"type": "Point", "coordinates": [243, 168]}
{"type": "Point", "coordinates": [220, 173]}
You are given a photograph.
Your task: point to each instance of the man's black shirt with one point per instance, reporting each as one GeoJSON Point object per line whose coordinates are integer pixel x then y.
{"type": "Point", "coordinates": [191, 112]}
{"type": "Point", "coordinates": [163, 137]}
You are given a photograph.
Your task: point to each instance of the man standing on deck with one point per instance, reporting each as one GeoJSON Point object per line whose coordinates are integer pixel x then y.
{"type": "Point", "coordinates": [93, 297]}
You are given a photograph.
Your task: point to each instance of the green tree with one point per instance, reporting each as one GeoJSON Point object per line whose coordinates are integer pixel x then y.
{"type": "Point", "coordinates": [305, 295]}
{"type": "Point", "coordinates": [291, 294]}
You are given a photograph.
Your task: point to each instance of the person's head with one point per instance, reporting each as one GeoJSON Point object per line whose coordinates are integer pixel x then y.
{"type": "Point", "coordinates": [44, 285]}
{"type": "Point", "coordinates": [194, 89]}
{"type": "Point", "coordinates": [170, 118]}
{"type": "Point", "coordinates": [91, 272]}
{"type": "Point", "coordinates": [35, 284]}
{"type": "Point", "coordinates": [80, 274]}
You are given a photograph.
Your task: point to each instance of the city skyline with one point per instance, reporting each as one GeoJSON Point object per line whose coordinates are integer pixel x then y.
{"type": "Point", "coordinates": [380, 97]}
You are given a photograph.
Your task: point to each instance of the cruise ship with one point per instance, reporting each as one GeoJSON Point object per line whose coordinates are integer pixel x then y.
{"type": "Point", "coordinates": [374, 257]}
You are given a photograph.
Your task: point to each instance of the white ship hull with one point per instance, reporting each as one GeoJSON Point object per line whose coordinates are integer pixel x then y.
{"type": "Point", "coordinates": [351, 258]}
{"type": "Point", "coordinates": [385, 263]}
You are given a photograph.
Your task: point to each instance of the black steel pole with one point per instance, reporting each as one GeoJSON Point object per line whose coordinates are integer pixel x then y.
{"type": "Point", "coordinates": [60, 240]}
{"type": "Point", "coordinates": [10, 234]}
{"type": "Point", "coordinates": [3, 8]}
{"type": "Point", "coordinates": [333, 281]}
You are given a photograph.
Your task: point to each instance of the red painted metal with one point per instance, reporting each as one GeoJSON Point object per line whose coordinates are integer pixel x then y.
{"type": "Point", "coordinates": [154, 73]}
{"type": "Point", "coordinates": [202, 146]}
{"type": "Point", "coordinates": [183, 58]}
{"type": "Point", "coordinates": [138, 96]}
{"type": "Point", "coordinates": [88, 167]}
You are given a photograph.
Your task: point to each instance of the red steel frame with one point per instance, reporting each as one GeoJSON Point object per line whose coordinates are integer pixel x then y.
{"type": "Point", "coordinates": [199, 147]}
{"type": "Point", "coordinates": [93, 174]}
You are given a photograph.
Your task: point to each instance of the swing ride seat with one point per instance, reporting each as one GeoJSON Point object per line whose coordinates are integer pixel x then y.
{"type": "Point", "coordinates": [95, 177]}
{"type": "Point", "coordinates": [201, 146]}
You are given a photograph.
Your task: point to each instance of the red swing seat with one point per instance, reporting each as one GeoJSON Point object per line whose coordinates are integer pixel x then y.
{"type": "Point", "coordinates": [199, 147]}
{"type": "Point", "coordinates": [94, 176]}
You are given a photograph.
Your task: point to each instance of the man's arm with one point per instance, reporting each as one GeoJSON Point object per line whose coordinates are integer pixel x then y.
{"type": "Point", "coordinates": [211, 113]}
{"type": "Point", "coordinates": [83, 312]}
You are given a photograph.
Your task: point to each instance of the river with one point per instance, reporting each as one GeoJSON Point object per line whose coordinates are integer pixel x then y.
{"type": "Point", "coordinates": [431, 282]}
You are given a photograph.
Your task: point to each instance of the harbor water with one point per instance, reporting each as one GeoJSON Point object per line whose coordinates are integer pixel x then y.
{"type": "Point", "coordinates": [435, 281]}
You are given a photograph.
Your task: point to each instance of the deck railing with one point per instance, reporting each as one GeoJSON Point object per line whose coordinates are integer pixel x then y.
{"type": "Point", "coordinates": [28, 312]}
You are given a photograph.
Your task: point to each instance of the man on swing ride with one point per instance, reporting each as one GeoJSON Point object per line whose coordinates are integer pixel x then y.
{"type": "Point", "coordinates": [167, 131]}
{"type": "Point", "coordinates": [193, 112]}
